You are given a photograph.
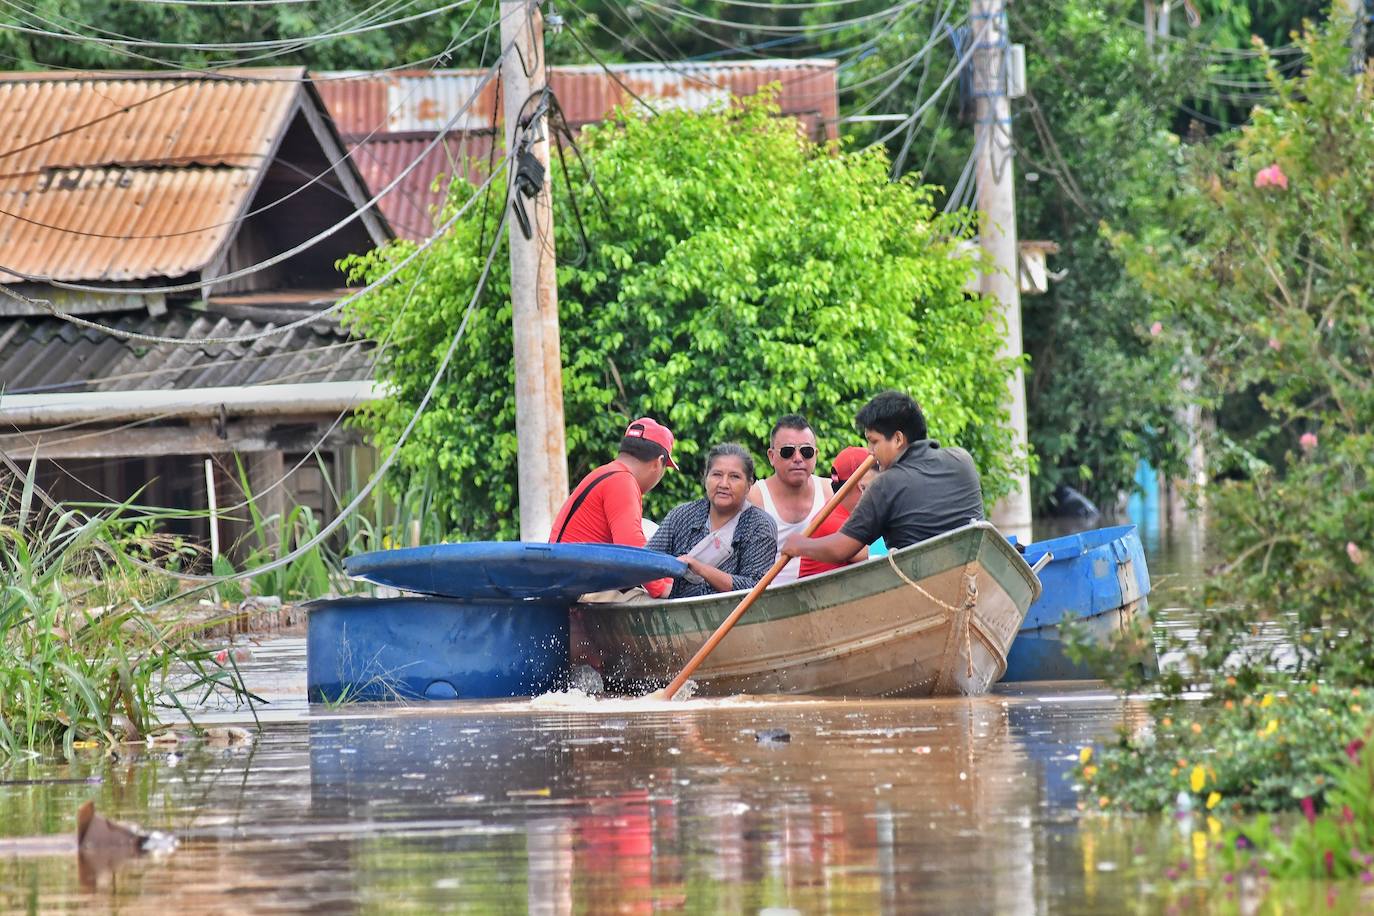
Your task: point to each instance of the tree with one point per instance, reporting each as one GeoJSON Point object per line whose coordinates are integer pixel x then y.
{"type": "Point", "coordinates": [1263, 270]}
{"type": "Point", "coordinates": [730, 272]}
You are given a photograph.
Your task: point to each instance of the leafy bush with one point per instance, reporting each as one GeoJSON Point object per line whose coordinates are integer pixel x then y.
{"type": "Point", "coordinates": [731, 272]}
{"type": "Point", "coordinates": [1264, 280]}
{"type": "Point", "coordinates": [1242, 753]}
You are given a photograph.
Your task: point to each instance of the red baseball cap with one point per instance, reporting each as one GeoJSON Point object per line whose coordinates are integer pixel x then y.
{"type": "Point", "coordinates": [847, 462]}
{"type": "Point", "coordinates": [654, 431]}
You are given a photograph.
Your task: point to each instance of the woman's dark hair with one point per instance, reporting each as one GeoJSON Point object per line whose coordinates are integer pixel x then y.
{"type": "Point", "coordinates": [732, 449]}
{"type": "Point", "coordinates": [643, 449]}
{"type": "Point", "coordinates": [892, 411]}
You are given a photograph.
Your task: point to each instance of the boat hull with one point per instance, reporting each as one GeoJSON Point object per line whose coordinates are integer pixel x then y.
{"type": "Point", "coordinates": [860, 630]}
{"type": "Point", "coordinates": [1098, 578]}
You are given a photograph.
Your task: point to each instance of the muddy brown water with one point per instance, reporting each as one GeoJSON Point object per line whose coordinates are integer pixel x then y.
{"type": "Point", "coordinates": [567, 805]}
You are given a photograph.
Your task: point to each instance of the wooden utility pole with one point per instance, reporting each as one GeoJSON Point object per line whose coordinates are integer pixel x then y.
{"type": "Point", "coordinates": [995, 173]}
{"type": "Point", "coordinates": [543, 458]}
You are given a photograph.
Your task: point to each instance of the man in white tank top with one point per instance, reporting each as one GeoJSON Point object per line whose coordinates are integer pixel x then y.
{"type": "Point", "coordinates": [794, 494]}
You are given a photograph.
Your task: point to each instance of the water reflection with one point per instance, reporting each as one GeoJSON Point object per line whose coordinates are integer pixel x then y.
{"type": "Point", "coordinates": [894, 806]}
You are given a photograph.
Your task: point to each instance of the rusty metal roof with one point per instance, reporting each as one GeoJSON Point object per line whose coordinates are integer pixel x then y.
{"type": "Point", "coordinates": [121, 176]}
{"type": "Point", "coordinates": [403, 101]}
{"type": "Point", "coordinates": [42, 354]}
{"type": "Point", "coordinates": [389, 120]}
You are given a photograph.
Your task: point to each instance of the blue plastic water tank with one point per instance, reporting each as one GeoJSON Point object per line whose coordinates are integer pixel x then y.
{"type": "Point", "coordinates": [433, 648]}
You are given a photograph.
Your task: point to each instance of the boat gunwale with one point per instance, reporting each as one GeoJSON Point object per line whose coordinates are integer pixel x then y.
{"type": "Point", "coordinates": [987, 532]}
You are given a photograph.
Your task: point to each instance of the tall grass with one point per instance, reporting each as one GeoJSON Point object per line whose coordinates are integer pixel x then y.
{"type": "Point", "coordinates": [81, 656]}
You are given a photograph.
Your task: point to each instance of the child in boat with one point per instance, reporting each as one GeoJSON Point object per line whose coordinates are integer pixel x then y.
{"type": "Point", "coordinates": [923, 489]}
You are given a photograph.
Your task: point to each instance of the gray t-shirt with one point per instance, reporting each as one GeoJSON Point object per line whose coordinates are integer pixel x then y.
{"type": "Point", "coordinates": [928, 490]}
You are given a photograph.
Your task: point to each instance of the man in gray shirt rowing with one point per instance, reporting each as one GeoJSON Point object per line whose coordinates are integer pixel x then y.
{"type": "Point", "coordinates": [922, 490]}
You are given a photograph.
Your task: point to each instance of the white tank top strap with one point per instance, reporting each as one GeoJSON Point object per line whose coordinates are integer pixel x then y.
{"type": "Point", "coordinates": [767, 499]}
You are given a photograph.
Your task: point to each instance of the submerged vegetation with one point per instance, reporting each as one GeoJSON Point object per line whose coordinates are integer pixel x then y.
{"type": "Point", "coordinates": [86, 653]}
{"type": "Point", "coordinates": [1263, 280]}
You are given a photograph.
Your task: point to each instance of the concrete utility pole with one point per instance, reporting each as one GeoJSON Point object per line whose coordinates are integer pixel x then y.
{"type": "Point", "coordinates": [543, 456]}
{"type": "Point", "coordinates": [1356, 9]}
{"type": "Point", "coordinates": [995, 175]}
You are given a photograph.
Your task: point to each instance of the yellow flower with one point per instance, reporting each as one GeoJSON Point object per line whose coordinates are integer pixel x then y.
{"type": "Point", "coordinates": [1213, 800]}
{"type": "Point", "coordinates": [1197, 728]}
{"type": "Point", "coordinates": [1267, 701]}
{"type": "Point", "coordinates": [1103, 802]}
{"type": "Point", "coordinates": [1089, 771]}
{"type": "Point", "coordinates": [1213, 826]}
{"type": "Point", "coordinates": [1085, 754]}
{"type": "Point", "coordinates": [1198, 779]}
{"type": "Point", "coordinates": [1272, 727]}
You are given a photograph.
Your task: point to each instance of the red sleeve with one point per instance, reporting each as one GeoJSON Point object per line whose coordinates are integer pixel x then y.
{"type": "Point", "coordinates": [620, 500]}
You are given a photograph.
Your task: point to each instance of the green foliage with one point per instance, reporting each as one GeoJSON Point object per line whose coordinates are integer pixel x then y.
{"type": "Point", "coordinates": [1096, 130]}
{"type": "Point", "coordinates": [1336, 843]}
{"type": "Point", "coordinates": [1255, 751]}
{"type": "Point", "coordinates": [80, 657]}
{"type": "Point", "coordinates": [732, 272]}
{"type": "Point", "coordinates": [1264, 273]}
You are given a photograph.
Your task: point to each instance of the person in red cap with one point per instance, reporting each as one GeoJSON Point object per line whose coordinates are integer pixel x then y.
{"type": "Point", "coordinates": [841, 469]}
{"type": "Point", "coordinates": [607, 507]}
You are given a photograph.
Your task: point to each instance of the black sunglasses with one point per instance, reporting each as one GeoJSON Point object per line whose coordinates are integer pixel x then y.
{"type": "Point", "coordinates": [787, 451]}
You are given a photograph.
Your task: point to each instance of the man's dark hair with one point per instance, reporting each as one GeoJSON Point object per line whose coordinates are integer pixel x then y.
{"type": "Point", "coordinates": [788, 421]}
{"type": "Point", "coordinates": [892, 411]}
{"type": "Point", "coordinates": [641, 448]}
{"type": "Point", "coordinates": [735, 450]}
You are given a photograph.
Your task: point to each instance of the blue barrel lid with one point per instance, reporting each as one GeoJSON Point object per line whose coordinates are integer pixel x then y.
{"type": "Point", "coordinates": [513, 570]}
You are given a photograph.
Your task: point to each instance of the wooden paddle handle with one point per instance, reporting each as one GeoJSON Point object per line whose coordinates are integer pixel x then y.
{"type": "Point", "coordinates": [768, 577]}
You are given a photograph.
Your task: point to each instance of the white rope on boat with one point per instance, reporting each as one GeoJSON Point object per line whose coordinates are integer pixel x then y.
{"type": "Point", "coordinates": [966, 610]}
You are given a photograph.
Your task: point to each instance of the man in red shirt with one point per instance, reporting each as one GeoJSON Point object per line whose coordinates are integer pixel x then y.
{"type": "Point", "coordinates": [843, 467]}
{"type": "Point", "coordinates": [607, 507]}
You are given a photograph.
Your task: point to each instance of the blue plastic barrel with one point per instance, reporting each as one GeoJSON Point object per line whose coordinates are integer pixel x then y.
{"type": "Point", "coordinates": [433, 648]}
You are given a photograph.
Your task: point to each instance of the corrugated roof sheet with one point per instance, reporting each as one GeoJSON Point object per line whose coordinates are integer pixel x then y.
{"type": "Point", "coordinates": [390, 119]}
{"type": "Point", "coordinates": [85, 224]}
{"type": "Point", "coordinates": [362, 103]}
{"type": "Point", "coordinates": [92, 164]}
{"type": "Point", "coordinates": [411, 207]}
{"type": "Point", "coordinates": [40, 355]}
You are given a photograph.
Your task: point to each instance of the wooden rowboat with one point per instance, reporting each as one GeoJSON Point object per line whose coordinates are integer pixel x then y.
{"type": "Point", "coordinates": [935, 619]}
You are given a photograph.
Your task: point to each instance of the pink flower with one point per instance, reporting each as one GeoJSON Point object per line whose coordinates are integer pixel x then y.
{"type": "Point", "coordinates": [1156, 329]}
{"type": "Point", "coordinates": [1347, 815]}
{"type": "Point", "coordinates": [1308, 441]}
{"type": "Point", "coordinates": [1309, 810]}
{"type": "Point", "coordinates": [1352, 750]}
{"type": "Point", "coordinates": [1330, 861]}
{"type": "Point", "coordinates": [1271, 177]}
{"type": "Point", "coordinates": [1275, 343]}
{"type": "Point", "coordinates": [1353, 551]}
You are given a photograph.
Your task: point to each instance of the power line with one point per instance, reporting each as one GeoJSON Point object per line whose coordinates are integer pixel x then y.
{"type": "Point", "coordinates": [317, 38]}
{"type": "Point", "coordinates": [330, 168]}
{"type": "Point", "coordinates": [282, 256]}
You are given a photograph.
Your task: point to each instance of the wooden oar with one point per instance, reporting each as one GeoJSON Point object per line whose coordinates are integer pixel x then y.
{"type": "Point", "coordinates": [671, 690]}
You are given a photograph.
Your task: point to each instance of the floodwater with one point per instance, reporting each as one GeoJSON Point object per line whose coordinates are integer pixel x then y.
{"type": "Point", "coordinates": [569, 804]}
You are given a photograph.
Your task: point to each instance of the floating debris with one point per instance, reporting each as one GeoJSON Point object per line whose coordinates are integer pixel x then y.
{"type": "Point", "coordinates": [773, 736]}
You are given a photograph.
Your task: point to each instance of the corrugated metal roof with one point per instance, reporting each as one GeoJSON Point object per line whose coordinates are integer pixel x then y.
{"type": "Point", "coordinates": [362, 103]}
{"type": "Point", "coordinates": [93, 164]}
{"type": "Point", "coordinates": [390, 118]}
{"type": "Point", "coordinates": [50, 355]}
{"type": "Point", "coordinates": [84, 224]}
{"type": "Point", "coordinates": [411, 207]}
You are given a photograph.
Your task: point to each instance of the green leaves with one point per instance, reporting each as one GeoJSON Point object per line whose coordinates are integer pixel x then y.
{"type": "Point", "coordinates": [736, 273]}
